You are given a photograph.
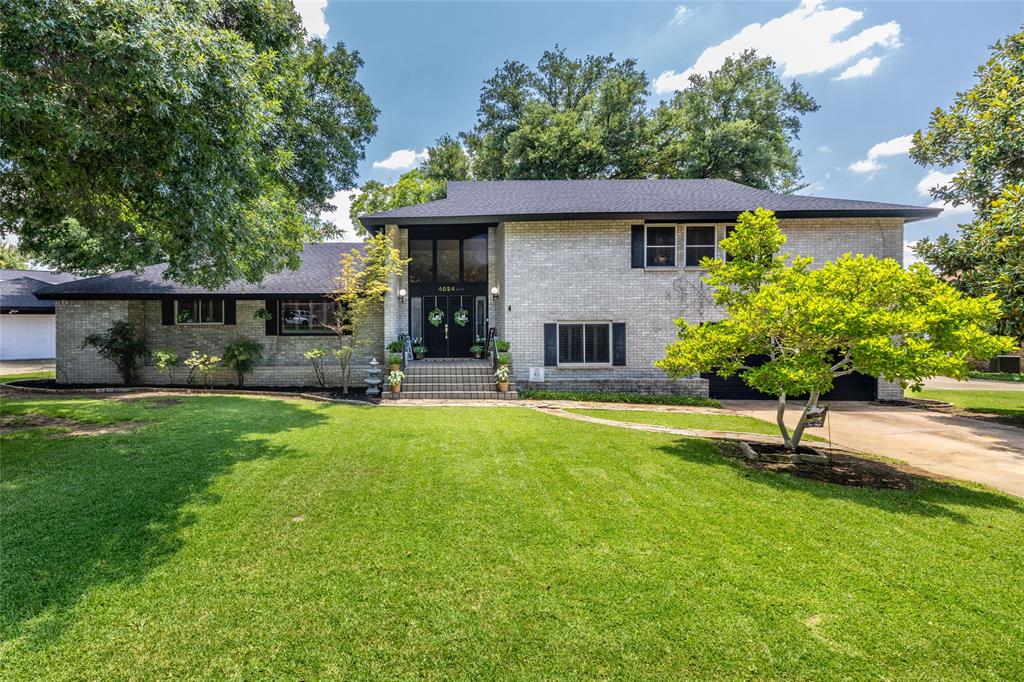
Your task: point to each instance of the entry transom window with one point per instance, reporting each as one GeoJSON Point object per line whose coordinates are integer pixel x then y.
{"type": "Point", "coordinates": [700, 243]}
{"type": "Point", "coordinates": [660, 246]}
{"type": "Point", "coordinates": [199, 311]}
{"type": "Point", "coordinates": [584, 343]}
{"type": "Point", "coordinates": [307, 317]}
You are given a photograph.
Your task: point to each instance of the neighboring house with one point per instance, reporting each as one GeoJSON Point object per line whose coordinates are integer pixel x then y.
{"type": "Point", "coordinates": [584, 278]}
{"type": "Point", "coordinates": [26, 323]}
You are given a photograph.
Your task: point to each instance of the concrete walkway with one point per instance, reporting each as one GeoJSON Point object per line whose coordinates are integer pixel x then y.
{"type": "Point", "coordinates": [944, 444]}
{"type": "Point", "coordinates": [947, 384]}
{"type": "Point", "coordinates": [24, 366]}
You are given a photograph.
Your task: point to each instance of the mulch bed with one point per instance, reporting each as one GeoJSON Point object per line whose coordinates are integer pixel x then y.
{"type": "Point", "coordinates": [356, 393]}
{"type": "Point", "coordinates": [843, 469]}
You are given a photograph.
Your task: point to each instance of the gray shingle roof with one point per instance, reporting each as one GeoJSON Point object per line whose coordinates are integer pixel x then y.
{"type": "Point", "coordinates": [496, 201]}
{"type": "Point", "coordinates": [315, 276]}
{"type": "Point", "coordinates": [48, 276]}
{"type": "Point", "coordinates": [19, 294]}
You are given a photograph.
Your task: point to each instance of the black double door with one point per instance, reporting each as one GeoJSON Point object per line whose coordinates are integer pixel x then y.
{"type": "Point", "coordinates": [444, 335]}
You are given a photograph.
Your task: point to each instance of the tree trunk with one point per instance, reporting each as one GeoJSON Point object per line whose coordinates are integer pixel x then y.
{"type": "Point", "coordinates": [241, 378]}
{"type": "Point", "coordinates": [780, 413]}
{"type": "Point", "coordinates": [798, 432]}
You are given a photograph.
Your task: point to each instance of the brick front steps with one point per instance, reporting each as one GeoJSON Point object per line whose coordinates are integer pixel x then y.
{"type": "Point", "coordinates": [462, 379]}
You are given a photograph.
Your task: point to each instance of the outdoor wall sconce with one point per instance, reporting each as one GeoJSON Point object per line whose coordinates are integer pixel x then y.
{"type": "Point", "coordinates": [401, 295]}
{"type": "Point", "coordinates": [494, 293]}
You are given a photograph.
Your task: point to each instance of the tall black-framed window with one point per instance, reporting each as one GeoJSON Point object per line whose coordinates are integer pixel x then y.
{"type": "Point", "coordinates": [660, 246]}
{"type": "Point", "coordinates": [455, 259]}
{"type": "Point", "coordinates": [699, 244]}
{"type": "Point", "coordinates": [307, 316]}
{"type": "Point", "coordinates": [584, 343]}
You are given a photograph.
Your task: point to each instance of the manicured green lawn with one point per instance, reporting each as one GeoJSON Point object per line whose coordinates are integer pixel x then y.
{"type": "Point", "coordinates": [690, 420]}
{"type": "Point", "coordinates": [42, 374]}
{"type": "Point", "coordinates": [1008, 404]}
{"type": "Point", "coordinates": [266, 539]}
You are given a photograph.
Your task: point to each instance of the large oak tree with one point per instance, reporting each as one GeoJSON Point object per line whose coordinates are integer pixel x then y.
{"type": "Point", "coordinates": [207, 133]}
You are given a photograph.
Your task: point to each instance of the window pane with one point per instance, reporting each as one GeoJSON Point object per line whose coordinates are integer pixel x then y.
{"type": "Point", "coordinates": [597, 342]}
{"type": "Point", "coordinates": [211, 311]}
{"type": "Point", "coordinates": [474, 259]}
{"type": "Point", "coordinates": [447, 260]}
{"type": "Point", "coordinates": [187, 312]}
{"type": "Point", "coordinates": [661, 256]}
{"type": "Point", "coordinates": [416, 317]}
{"type": "Point", "coordinates": [700, 236]}
{"type": "Point", "coordinates": [421, 265]}
{"type": "Point", "coordinates": [481, 317]}
{"type": "Point", "coordinates": [306, 317]}
{"type": "Point", "coordinates": [694, 254]}
{"type": "Point", "coordinates": [661, 236]}
{"type": "Point", "coordinates": [570, 343]}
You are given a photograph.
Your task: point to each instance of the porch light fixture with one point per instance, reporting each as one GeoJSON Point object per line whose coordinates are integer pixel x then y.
{"type": "Point", "coordinates": [401, 295]}
{"type": "Point", "coordinates": [494, 293]}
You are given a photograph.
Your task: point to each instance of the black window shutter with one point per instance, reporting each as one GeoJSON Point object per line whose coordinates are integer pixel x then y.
{"type": "Point", "coordinates": [619, 343]}
{"type": "Point", "coordinates": [167, 311]}
{"type": "Point", "coordinates": [271, 307]}
{"type": "Point", "coordinates": [637, 236]}
{"type": "Point", "coordinates": [229, 311]}
{"type": "Point", "coordinates": [550, 345]}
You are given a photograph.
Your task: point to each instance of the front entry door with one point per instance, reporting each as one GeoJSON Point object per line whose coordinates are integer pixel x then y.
{"type": "Point", "coordinates": [448, 338]}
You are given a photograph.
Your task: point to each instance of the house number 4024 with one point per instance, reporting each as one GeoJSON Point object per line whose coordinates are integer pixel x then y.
{"type": "Point", "coordinates": [447, 289]}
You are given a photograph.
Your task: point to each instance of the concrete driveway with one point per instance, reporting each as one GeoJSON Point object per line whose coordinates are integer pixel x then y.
{"type": "Point", "coordinates": [947, 384]}
{"type": "Point", "coordinates": [24, 366]}
{"type": "Point", "coordinates": [943, 444]}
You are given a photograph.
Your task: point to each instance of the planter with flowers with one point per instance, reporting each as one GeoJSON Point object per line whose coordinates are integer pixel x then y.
{"type": "Point", "coordinates": [395, 380]}
{"type": "Point", "coordinates": [501, 378]}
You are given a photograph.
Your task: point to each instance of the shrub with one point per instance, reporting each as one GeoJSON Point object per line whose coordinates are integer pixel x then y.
{"type": "Point", "coordinates": [611, 397]}
{"type": "Point", "coordinates": [166, 360]}
{"type": "Point", "coordinates": [316, 358]}
{"type": "Point", "coordinates": [420, 350]}
{"type": "Point", "coordinates": [476, 349]}
{"type": "Point", "coordinates": [202, 364]}
{"type": "Point", "coordinates": [242, 355]}
{"type": "Point", "coordinates": [504, 359]}
{"type": "Point", "coordinates": [119, 345]}
{"type": "Point", "coordinates": [502, 345]}
{"type": "Point", "coordinates": [396, 346]}
{"type": "Point", "coordinates": [394, 359]}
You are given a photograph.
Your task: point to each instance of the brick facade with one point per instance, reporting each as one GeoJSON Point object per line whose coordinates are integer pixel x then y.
{"type": "Point", "coordinates": [282, 365]}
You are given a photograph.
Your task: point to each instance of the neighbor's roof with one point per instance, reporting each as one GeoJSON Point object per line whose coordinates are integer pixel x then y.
{"type": "Point", "coordinates": [509, 200]}
{"type": "Point", "coordinates": [18, 294]}
{"type": "Point", "coordinates": [315, 276]}
{"type": "Point", "coordinates": [47, 276]}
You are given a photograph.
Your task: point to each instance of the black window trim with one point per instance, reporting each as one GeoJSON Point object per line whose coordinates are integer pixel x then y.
{"type": "Point", "coordinates": [198, 299]}
{"type": "Point", "coordinates": [675, 247]}
{"type": "Point", "coordinates": [584, 364]}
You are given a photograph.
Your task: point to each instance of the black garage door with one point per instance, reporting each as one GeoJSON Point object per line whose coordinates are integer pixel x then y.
{"type": "Point", "coordinates": [850, 387]}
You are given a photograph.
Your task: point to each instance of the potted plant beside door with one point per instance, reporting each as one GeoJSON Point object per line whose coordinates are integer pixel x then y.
{"type": "Point", "coordinates": [419, 352]}
{"type": "Point", "coordinates": [394, 362]}
{"type": "Point", "coordinates": [476, 350]}
{"type": "Point", "coordinates": [501, 378]}
{"type": "Point", "coordinates": [395, 380]}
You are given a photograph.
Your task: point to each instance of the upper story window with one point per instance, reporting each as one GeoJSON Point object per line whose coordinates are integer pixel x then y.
{"type": "Point", "coordinates": [199, 311]}
{"type": "Point", "coordinates": [448, 261]}
{"type": "Point", "coordinates": [584, 343]}
{"type": "Point", "coordinates": [699, 244]}
{"type": "Point", "coordinates": [307, 317]}
{"type": "Point", "coordinates": [660, 246]}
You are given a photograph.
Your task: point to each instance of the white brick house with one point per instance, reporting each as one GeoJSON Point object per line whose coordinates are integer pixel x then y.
{"type": "Point", "coordinates": [584, 278]}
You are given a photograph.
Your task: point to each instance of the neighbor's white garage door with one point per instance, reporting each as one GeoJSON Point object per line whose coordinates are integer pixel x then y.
{"type": "Point", "coordinates": [27, 337]}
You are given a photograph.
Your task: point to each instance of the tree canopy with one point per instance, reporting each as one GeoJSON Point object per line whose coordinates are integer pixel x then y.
{"type": "Point", "coordinates": [981, 134]}
{"type": "Point", "coordinates": [589, 119]}
{"type": "Point", "coordinates": [812, 325]}
{"type": "Point", "coordinates": [207, 133]}
{"type": "Point", "coordinates": [10, 257]}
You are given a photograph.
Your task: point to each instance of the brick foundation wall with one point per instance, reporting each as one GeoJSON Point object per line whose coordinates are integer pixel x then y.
{"type": "Point", "coordinates": [282, 365]}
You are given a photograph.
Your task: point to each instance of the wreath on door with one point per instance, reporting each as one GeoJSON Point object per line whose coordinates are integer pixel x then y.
{"type": "Point", "coordinates": [435, 317]}
{"type": "Point", "coordinates": [461, 317]}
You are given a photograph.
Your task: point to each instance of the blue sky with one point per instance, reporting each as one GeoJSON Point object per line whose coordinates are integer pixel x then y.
{"type": "Point", "coordinates": [877, 69]}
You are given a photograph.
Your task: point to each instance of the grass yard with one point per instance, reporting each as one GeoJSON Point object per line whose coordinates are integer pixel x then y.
{"type": "Point", "coordinates": [269, 539]}
{"type": "Point", "coordinates": [1008, 404]}
{"type": "Point", "coordinates": [691, 420]}
{"type": "Point", "coordinates": [42, 374]}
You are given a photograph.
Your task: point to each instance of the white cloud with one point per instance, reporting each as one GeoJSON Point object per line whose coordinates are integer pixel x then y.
{"type": "Point", "coordinates": [934, 178]}
{"type": "Point", "coordinates": [865, 67]}
{"type": "Point", "coordinates": [682, 14]}
{"type": "Point", "coordinates": [894, 147]}
{"type": "Point", "coordinates": [339, 216]}
{"type": "Point", "coordinates": [909, 257]}
{"type": "Point", "coordinates": [312, 14]}
{"type": "Point", "coordinates": [402, 159]}
{"type": "Point", "coordinates": [802, 41]}
{"type": "Point", "coordinates": [825, 149]}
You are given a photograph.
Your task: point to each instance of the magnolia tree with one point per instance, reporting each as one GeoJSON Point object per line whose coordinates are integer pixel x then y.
{"type": "Point", "coordinates": [856, 314]}
{"type": "Point", "coordinates": [366, 276]}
